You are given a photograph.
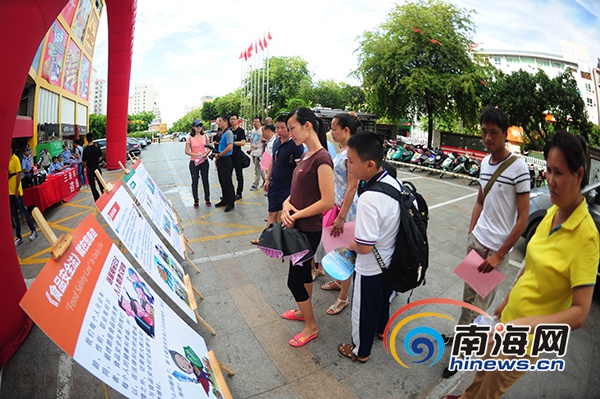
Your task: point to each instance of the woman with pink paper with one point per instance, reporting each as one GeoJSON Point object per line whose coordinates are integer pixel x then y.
{"type": "Point", "coordinates": [196, 148]}
{"type": "Point", "coordinates": [342, 127]}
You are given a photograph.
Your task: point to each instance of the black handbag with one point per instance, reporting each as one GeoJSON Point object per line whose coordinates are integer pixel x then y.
{"type": "Point", "coordinates": [245, 160]}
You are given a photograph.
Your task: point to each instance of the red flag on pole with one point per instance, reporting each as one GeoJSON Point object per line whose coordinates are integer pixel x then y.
{"type": "Point", "coordinates": [245, 56]}
{"type": "Point", "coordinates": [260, 44]}
{"type": "Point", "coordinates": [241, 55]}
{"type": "Point", "coordinates": [249, 51]}
{"type": "Point", "coordinates": [265, 42]}
{"type": "Point", "coordinates": [269, 36]}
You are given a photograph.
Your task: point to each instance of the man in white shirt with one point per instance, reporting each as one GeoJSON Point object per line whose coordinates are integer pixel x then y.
{"type": "Point", "coordinates": [498, 219]}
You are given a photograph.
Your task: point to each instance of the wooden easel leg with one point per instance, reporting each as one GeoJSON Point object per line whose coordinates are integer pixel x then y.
{"type": "Point", "coordinates": [198, 293]}
{"type": "Point", "coordinates": [226, 369]}
{"type": "Point", "coordinates": [193, 264]}
{"type": "Point", "coordinates": [201, 320]}
{"type": "Point", "coordinates": [188, 245]}
{"type": "Point", "coordinates": [105, 388]}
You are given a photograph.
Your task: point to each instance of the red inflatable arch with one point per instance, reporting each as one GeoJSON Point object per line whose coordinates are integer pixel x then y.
{"type": "Point", "coordinates": [29, 20]}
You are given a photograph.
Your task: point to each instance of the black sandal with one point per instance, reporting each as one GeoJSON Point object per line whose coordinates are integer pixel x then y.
{"type": "Point", "coordinates": [346, 350]}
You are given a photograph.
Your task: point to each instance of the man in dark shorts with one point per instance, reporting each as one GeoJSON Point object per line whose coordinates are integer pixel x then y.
{"type": "Point", "coordinates": [279, 175]}
{"type": "Point", "coordinates": [92, 155]}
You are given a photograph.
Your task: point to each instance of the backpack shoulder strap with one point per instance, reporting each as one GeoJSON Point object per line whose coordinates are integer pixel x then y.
{"type": "Point", "coordinates": [497, 174]}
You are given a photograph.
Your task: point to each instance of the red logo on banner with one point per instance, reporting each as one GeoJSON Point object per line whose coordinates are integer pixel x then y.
{"type": "Point", "coordinates": [112, 214]}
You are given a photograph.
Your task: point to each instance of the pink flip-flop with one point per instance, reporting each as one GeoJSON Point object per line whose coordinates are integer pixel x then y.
{"type": "Point", "coordinates": [301, 340]}
{"type": "Point", "coordinates": [291, 315]}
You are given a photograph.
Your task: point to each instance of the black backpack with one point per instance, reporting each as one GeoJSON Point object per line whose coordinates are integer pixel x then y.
{"type": "Point", "coordinates": [411, 253]}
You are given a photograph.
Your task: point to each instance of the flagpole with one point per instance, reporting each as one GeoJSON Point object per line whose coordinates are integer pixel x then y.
{"type": "Point", "coordinates": [268, 63]}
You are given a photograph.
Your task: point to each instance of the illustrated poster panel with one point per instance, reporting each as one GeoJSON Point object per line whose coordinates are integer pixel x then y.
{"type": "Point", "coordinates": [54, 54]}
{"type": "Point", "coordinates": [134, 231]}
{"type": "Point", "coordinates": [81, 19]}
{"type": "Point", "coordinates": [155, 205]}
{"type": "Point", "coordinates": [113, 324]}
{"type": "Point", "coordinates": [90, 34]}
{"type": "Point", "coordinates": [69, 11]}
{"type": "Point", "coordinates": [71, 68]}
{"type": "Point", "coordinates": [84, 78]}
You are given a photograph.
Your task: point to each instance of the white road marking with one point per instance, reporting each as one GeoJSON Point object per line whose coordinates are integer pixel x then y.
{"type": "Point", "coordinates": [65, 367]}
{"type": "Point", "coordinates": [225, 256]}
{"type": "Point", "coordinates": [452, 201]}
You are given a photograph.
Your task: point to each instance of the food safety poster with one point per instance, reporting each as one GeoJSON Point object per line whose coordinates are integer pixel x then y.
{"type": "Point", "coordinates": [93, 304]}
{"type": "Point", "coordinates": [155, 204]}
{"type": "Point", "coordinates": [134, 231]}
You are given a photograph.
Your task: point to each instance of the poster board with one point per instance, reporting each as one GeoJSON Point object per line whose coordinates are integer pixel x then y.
{"type": "Point", "coordinates": [85, 303]}
{"type": "Point", "coordinates": [155, 204]}
{"type": "Point", "coordinates": [136, 234]}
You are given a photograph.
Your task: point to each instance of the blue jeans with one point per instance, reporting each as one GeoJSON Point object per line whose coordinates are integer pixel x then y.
{"type": "Point", "coordinates": [17, 205]}
{"type": "Point", "coordinates": [81, 174]}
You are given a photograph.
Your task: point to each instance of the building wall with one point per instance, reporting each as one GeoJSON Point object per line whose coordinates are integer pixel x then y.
{"type": "Point", "coordinates": [144, 98]}
{"type": "Point", "coordinates": [60, 75]}
{"type": "Point", "coordinates": [98, 96]}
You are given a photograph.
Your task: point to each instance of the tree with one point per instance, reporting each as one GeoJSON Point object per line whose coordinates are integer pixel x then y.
{"type": "Point", "coordinates": [98, 125]}
{"type": "Point", "coordinates": [140, 121]}
{"type": "Point", "coordinates": [209, 111]}
{"type": "Point", "coordinates": [288, 78]}
{"type": "Point", "coordinates": [567, 106]}
{"type": "Point", "coordinates": [228, 103]}
{"type": "Point", "coordinates": [417, 63]}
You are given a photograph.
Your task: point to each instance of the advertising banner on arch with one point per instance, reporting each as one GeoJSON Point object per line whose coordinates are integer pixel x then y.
{"type": "Point", "coordinates": [95, 307]}
{"type": "Point", "coordinates": [155, 204]}
{"type": "Point", "coordinates": [54, 54]}
{"type": "Point", "coordinates": [136, 234]}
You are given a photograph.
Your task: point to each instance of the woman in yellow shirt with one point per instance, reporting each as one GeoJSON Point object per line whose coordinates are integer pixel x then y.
{"type": "Point", "coordinates": [561, 263]}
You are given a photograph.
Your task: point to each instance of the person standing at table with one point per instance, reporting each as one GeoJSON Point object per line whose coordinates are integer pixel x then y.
{"type": "Point", "coordinates": [77, 156]}
{"type": "Point", "coordinates": [66, 156]}
{"type": "Point", "coordinates": [92, 155]}
{"type": "Point", "coordinates": [15, 193]}
{"type": "Point", "coordinates": [45, 160]}
{"type": "Point", "coordinates": [26, 169]}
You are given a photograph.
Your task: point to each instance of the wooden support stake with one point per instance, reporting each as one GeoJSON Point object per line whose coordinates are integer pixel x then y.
{"type": "Point", "coordinates": [132, 157]}
{"type": "Point", "coordinates": [58, 245]}
{"type": "Point", "coordinates": [191, 261]}
{"type": "Point", "coordinates": [198, 293]}
{"type": "Point", "coordinates": [226, 369]}
{"type": "Point", "coordinates": [185, 241]}
{"type": "Point", "coordinates": [105, 388]}
{"type": "Point", "coordinates": [123, 168]}
{"type": "Point", "coordinates": [217, 366]}
{"type": "Point", "coordinates": [194, 305]}
{"type": "Point", "coordinates": [174, 211]}
{"type": "Point", "coordinates": [107, 187]}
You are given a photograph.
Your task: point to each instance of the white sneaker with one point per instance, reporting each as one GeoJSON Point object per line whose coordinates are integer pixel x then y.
{"type": "Point", "coordinates": [18, 242]}
{"type": "Point", "coordinates": [33, 235]}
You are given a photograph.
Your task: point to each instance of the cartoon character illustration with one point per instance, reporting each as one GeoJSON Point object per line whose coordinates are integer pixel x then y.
{"type": "Point", "coordinates": [143, 314]}
{"type": "Point", "coordinates": [190, 364]}
{"type": "Point", "coordinates": [139, 286]}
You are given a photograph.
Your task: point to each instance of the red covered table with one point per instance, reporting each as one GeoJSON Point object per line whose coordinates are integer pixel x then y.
{"type": "Point", "coordinates": [61, 186]}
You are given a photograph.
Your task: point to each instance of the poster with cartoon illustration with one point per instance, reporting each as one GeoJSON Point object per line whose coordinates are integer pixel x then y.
{"type": "Point", "coordinates": [68, 12]}
{"type": "Point", "coordinates": [90, 34]}
{"type": "Point", "coordinates": [71, 67]}
{"type": "Point", "coordinates": [133, 230]}
{"type": "Point", "coordinates": [94, 306]}
{"type": "Point", "coordinates": [156, 206]}
{"type": "Point", "coordinates": [54, 54]}
{"type": "Point", "coordinates": [81, 19]}
{"type": "Point", "coordinates": [84, 77]}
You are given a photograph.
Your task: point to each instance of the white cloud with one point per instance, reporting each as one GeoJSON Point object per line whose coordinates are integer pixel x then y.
{"type": "Point", "coordinates": [188, 49]}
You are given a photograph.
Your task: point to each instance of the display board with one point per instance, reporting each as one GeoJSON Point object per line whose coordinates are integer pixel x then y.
{"type": "Point", "coordinates": [155, 204]}
{"type": "Point", "coordinates": [136, 234]}
{"type": "Point", "coordinates": [93, 305]}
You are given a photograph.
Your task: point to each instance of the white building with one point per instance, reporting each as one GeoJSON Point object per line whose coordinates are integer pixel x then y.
{"type": "Point", "coordinates": [574, 57]}
{"type": "Point", "coordinates": [144, 98]}
{"type": "Point", "coordinates": [98, 96]}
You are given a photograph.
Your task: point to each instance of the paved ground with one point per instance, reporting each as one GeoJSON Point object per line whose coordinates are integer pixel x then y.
{"type": "Point", "coordinates": [245, 292]}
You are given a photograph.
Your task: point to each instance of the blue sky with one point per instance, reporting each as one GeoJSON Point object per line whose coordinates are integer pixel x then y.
{"type": "Point", "coordinates": [188, 48]}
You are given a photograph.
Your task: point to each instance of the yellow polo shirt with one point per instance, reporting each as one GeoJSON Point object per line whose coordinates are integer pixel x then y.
{"type": "Point", "coordinates": [14, 166]}
{"type": "Point", "coordinates": [554, 265]}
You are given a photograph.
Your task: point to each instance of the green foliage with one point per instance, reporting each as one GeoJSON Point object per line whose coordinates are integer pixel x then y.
{"type": "Point", "coordinates": [526, 98]}
{"type": "Point", "coordinates": [185, 123]}
{"type": "Point", "coordinates": [594, 135]}
{"type": "Point", "coordinates": [228, 103]}
{"type": "Point", "coordinates": [140, 121]}
{"type": "Point", "coordinates": [289, 78]}
{"type": "Point", "coordinates": [417, 63]}
{"type": "Point", "coordinates": [209, 111]}
{"type": "Point", "coordinates": [98, 125]}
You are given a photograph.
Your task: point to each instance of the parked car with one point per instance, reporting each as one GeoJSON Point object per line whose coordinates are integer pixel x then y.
{"type": "Point", "coordinates": [132, 147]}
{"type": "Point", "coordinates": [182, 136]}
{"type": "Point", "coordinates": [140, 141]}
{"type": "Point", "coordinates": [539, 202]}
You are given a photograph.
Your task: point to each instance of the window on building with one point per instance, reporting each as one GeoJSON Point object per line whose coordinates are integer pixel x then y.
{"type": "Point", "coordinates": [512, 60]}
{"type": "Point", "coordinates": [557, 65]}
{"type": "Point", "coordinates": [543, 63]}
{"type": "Point", "coordinates": [589, 102]}
{"type": "Point", "coordinates": [497, 61]}
{"type": "Point", "coordinates": [527, 60]}
{"type": "Point", "coordinates": [588, 87]}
